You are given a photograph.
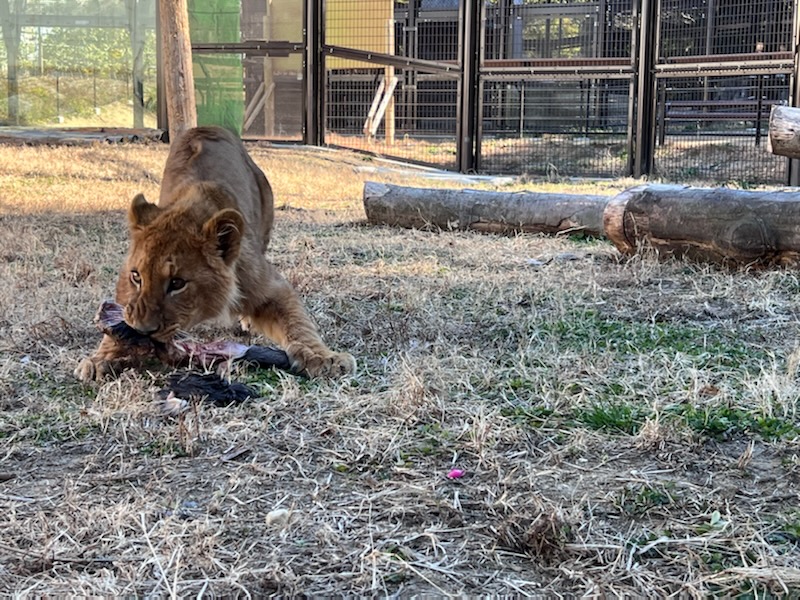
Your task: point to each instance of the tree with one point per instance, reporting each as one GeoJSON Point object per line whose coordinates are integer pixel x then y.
{"type": "Point", "coordinates": [11, 35]}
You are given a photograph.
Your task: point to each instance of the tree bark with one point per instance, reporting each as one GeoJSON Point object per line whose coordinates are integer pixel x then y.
{"type": "Point", "coordinates": [784, 131]}
{"type": "Point", "coordinates": [717, 224]}
{"type": "Point", "coordinates": [495, 212]}
{"type": "Point", "coordinates": [177, 56]}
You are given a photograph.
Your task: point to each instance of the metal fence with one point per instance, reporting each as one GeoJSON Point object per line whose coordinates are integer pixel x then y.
{"type": "Point", "coordinates": [674, 88]}
{"type": "Point", "coordinates": [722, 65]}
{"type": "Point", "coordinates": [679, 89]}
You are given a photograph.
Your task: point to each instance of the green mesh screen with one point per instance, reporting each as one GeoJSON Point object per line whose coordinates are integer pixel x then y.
{"type": "Point", "coordinates": [218, 78]}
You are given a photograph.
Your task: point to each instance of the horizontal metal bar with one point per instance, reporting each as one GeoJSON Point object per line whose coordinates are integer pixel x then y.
{"type": "Point", "coordinates": [552, 11]}
{"type": "Point", "coordinates": [716, 116]}
{"type": "Point", "coordinates": [728, 58]}
{"type": "Point", "coordinates": [565, 74]}
{"type": "Point", "coordinates": [614, 68]}
{"type": "Point", "coordinates": [583, 71]}
{"type": "Point", "coordinates": [251, 48]}
{"type": "Point", "coordinates": [766, 67]}
{"type": "Point", "coordinates": [534, 63]}
{"type": "Point", "coordinates": [378, 58]}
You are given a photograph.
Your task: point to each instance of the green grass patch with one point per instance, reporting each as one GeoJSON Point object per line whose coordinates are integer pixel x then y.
{"type": "Point", "coordinates": [637, 500]}
{"type": "Point", "coordinates": [530, 416]}
{"type": "Point", "coordinates": [722, 422]}
{"type": "Point", "coordinates": [617, 417]}
{"type": "Point", "coordinates": [47, 427]}
{"type": "Point", "coordinates": [168, 448]}
{"type": "Point", "coordinates": [590, 332]}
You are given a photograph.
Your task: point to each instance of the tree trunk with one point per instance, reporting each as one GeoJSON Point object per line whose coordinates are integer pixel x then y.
{"type": "Point", "coordinates": [496, 212]}
{"type": "Point", "coordinates": [718, 225]}
{"type": "Point", "coordinates": [784, 131]}
{"type": "Point", "coordinates": [11, 39]}
{"type": "Point", "coordinates": [177, 56]}
{"type": "Point", "coordinates": [135, 31]}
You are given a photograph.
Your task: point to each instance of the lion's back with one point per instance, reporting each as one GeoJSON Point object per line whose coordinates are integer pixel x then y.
{"type": "Point", "coordinates": [215, 155]}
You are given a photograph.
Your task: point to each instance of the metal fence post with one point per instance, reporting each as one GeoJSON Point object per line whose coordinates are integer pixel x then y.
{"type": "Point", "coordinates": [467, 110]}
{"type": "Point", "coordinates": [314, 75]}
{"type": "Point", "coordinates": [793, 165]}
{"type": "Point", "coordinates": [644, 133]}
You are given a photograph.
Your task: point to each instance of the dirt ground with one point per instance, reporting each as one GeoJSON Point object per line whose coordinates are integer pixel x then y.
{"type": "Point", "coordinates": [531, 415]}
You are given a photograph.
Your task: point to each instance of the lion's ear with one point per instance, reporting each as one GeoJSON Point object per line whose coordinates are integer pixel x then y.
{"type": "Point", "coordinates": [141, 212]}
{"type": "Point", "coordinates": [224, 231]}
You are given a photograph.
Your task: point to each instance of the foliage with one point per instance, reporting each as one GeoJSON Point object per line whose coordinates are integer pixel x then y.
{"type": "Point", "coordinates": [82, 49]}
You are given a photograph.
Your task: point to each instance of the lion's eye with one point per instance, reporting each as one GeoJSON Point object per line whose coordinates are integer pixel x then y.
{"type": "Point", "coordinates": [136, 279]}
{"type": "Point", "coordinates": [176, 284]}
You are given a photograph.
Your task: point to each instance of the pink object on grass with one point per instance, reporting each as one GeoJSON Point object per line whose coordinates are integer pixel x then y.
{"type": "Point", "coordinates": [456, 473]}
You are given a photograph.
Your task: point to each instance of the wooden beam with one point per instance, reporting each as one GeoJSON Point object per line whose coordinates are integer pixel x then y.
{"type": "Point", "coordinates": [374, 108]}
{"type": "Point", "coordinates": [388, 98]}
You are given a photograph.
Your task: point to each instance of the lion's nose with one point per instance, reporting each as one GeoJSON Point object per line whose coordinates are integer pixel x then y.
{"type": "Point", "coordinates": [143, 326]}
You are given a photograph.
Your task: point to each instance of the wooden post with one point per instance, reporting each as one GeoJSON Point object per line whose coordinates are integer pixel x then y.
{"type": "Point", "coordinates": [388, 77]}
{"type": "Point", "coordinates": [178, 75]}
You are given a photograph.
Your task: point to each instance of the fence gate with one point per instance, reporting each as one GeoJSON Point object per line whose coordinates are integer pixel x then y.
{"type": "Point", "coordinates": [393, 75]}
{"type": "Point", "coordinates": [678, 89]}
{"type": "Point", "coordinates": [557, 83]}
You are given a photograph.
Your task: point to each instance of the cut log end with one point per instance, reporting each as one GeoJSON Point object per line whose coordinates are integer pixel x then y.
{"type": "Point", "coordinates": [784, 131]}
{"type": "Point", "coordinates": [614, 220]}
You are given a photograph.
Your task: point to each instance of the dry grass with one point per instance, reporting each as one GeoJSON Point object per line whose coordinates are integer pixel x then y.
{"type": "Point", "coordinates": [627, 427]}
{"type": "Point", "coordinates": [734, 161]}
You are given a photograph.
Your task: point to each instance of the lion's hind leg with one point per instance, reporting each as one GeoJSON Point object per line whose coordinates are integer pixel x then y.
{"type": "Point", "coordinates": [283, 319]}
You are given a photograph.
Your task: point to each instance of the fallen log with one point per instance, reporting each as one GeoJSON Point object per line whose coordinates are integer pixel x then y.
{"type": "Point", "coordinates": [784, 131]}
{"type": "Point", "coordinates": [486, 211]}
{"type": "Point", "coordinates": [718, 225]}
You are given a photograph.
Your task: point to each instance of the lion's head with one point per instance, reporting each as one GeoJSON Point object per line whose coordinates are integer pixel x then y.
{"type": "Point", "coordinates": [181, 266]}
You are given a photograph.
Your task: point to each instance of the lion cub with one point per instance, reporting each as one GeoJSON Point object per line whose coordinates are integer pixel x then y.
{"type": "Point", "coordinates": [198, 255]}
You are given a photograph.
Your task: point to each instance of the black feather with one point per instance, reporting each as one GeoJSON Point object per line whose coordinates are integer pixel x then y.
{"type": "Point", "coordinates": [266, 357]}
{"type": "Point", "coordinates": [208, 387]}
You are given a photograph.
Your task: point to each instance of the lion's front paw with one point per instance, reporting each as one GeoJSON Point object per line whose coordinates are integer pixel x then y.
{"type": "Point", "coordinates": [93, 368]}
{"type": "Point", "coordinates": [321, 363]}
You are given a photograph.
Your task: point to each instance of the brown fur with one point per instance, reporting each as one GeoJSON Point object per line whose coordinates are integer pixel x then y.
{"type": "Point", "coordinates": [199, 255]}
